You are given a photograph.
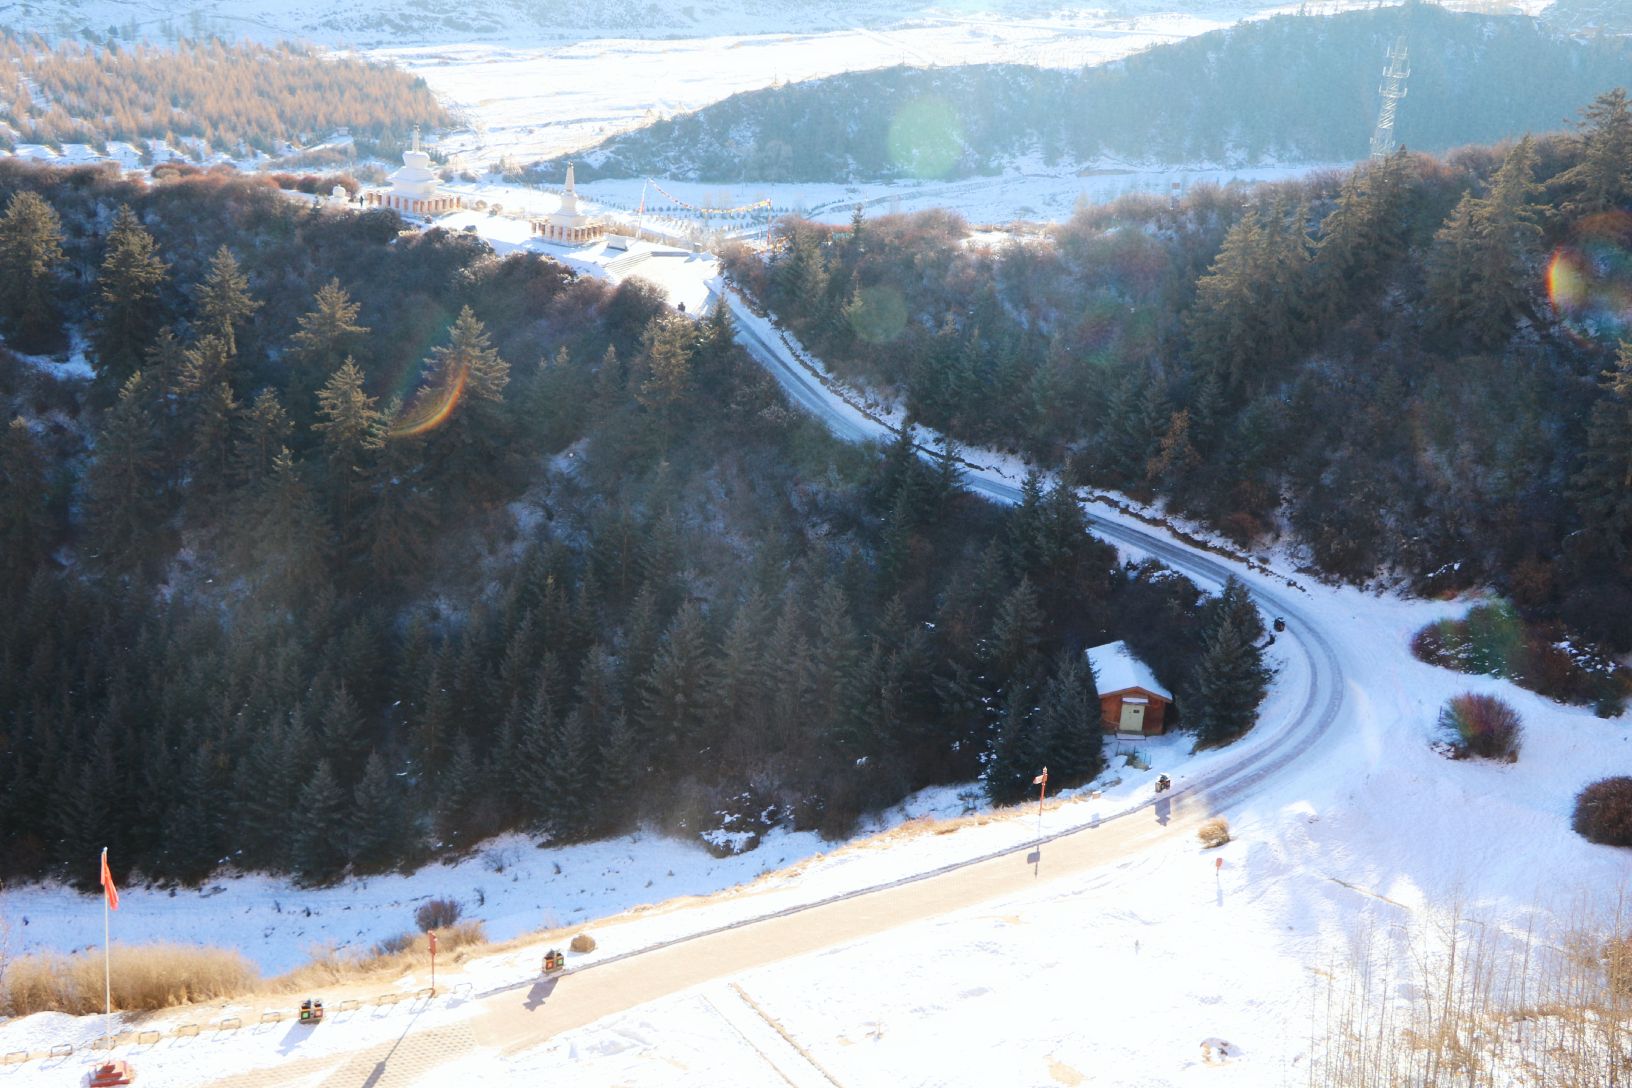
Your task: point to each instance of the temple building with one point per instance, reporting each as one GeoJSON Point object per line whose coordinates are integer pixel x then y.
{"type": "Point", "coordinates": [415, 187]}
{"type": "Point", "coordinates": [569, 226]}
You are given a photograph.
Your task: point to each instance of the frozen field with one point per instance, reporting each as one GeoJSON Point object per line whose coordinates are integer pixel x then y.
{"type": "Point", "coordinates": [532, 103]}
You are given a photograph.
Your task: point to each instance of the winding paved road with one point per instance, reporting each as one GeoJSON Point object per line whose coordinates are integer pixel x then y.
{"type": "Point", "coordinates": [514, 1018]}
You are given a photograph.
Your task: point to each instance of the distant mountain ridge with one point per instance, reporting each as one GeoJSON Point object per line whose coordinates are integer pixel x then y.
{"type": "Point", "coordinates": [511, 21]}
{"type": "Point", "coordinates": [1288, 89]}
{"type": "Point", "coordinates": [423, 22]}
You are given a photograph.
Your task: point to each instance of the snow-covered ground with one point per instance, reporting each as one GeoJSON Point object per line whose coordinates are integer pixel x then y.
{"type": "Point", "coordinates": [1116, 977]}
{"type": "Point", "coordinates": [525, 104]}
{"type": "Point", "coordinates": [1028, 192]}
{"type": "Point", "coordinates": [528, 22]}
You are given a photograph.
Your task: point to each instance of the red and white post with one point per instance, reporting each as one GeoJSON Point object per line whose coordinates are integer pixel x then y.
{"type": "Point", "coordinates": [430, 935]}
{"type": "Point", "coordinates": [1041, 781]}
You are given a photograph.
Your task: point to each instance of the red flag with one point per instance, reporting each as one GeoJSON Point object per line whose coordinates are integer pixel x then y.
{"type": "Point", "coordinates": [1040, 779]}
{"type": "Point", "coordinates": [108, 889]}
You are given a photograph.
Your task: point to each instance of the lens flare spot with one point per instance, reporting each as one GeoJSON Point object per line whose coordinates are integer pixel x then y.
{"type": "Point", "coordinates": [1566, 286]}
{"type": "Point", "coordinates": [877, 314]}
{"type": "Point", "coordinates": [1589, 281]}
{"type": "Point", "coordinates": [430, 409]}
{"type": "Point", "coordinates": [925, 139]}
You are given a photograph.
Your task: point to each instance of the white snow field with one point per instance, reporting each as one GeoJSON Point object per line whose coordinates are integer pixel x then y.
{"type": "Point", "coordinates": [1130, 972]}
{"type": "Point", "coordinates": [528, 103]}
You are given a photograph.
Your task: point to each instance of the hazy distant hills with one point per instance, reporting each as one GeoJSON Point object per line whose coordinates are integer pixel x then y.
{"type": "Point", "coordinates": [1592, 16]}
{"type": "Point", "coordinates": [1289, 89]}
{"type": "Point", "coordinates": [368, 23]}
{"type": "Point", "coordinates": [414, 22]}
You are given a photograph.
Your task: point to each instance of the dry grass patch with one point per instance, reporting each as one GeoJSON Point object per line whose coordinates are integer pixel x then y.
{"type": "Point", "coordinates": [145, 977]}
{"type": "Point", "coordinates": [390, 957]}
{"type": "Point", "coordinates": [1214, 832]}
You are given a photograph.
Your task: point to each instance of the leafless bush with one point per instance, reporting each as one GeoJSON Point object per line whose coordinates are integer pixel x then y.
{"type": "Point", "coordinates": [583, 942]}
{"type": "Point", "coordinates": [437, 914]}
{"type": "Point", "coordinates": [1603, 812]}
{"type": "Point", "coordinates": [1214, 832]}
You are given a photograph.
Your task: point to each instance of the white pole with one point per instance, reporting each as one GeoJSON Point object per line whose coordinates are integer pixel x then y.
{"type": "Point", "coordinates": [107, 969]}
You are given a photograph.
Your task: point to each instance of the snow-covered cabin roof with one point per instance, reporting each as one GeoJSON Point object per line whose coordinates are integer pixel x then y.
{"type": "Point", "coordinates": [1116, 669]}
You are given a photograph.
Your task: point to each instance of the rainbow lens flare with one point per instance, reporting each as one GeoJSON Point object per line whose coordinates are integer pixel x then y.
{"type": "Point", "coordinates": [430, 409]}
{"type": "Point", "coordinates": [1589, 282]}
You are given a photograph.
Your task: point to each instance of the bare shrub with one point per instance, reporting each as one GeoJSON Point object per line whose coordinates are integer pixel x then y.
{"type": "Point", "coordinates": [1214, 832]}
{"type": "Point", "coordinates": [1603, 812]}
{"type": "Point", "coordinates": [390, 946]}
{"type": "Point", "coordinates": [145, 977]}
{"type": "Point", "coordinates": [437, 914]}
{"type": "Point", "coordinates": [1483, 726]}
{"type": "Point", "coordinates": [583, 942]}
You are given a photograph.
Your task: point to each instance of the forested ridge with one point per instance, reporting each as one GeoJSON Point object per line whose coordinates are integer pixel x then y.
{"type": "Point", "coordinates": [1420, 367]}
{"type": "Point", "coordinates": [233, 98]}
{"type": "Point", "coordinates": [1294, 88]}
{"type": "Point", "coordinates": [362, 545]}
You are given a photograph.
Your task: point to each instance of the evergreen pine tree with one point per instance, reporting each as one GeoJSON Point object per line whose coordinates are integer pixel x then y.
{"type": "Point", "coordinates": [1017, 636]}
{"type": "Point", "coordinates": [1017, 751]}
{"type": "Point", "coordinates": [26, 532]}
{"type": "Point", "coordinates": [353, 432]}
{"type": "Point", "coordinates": [342, 734]}
{"type": "Point", "coordinates": [1601, 489]}
{"type": "Point", "coordinates": [1229, 683]}
{"type": "Point", "coordinates": [128, 315]}
{"type": "Point", "coordinates": [124, 484]}
{"type": "Point", "coordinates": [210, 458]}
{"type": "Point", "coordinates": [30, 252]}
{"type": "Point", "coordinates": [317, 828]}
{"type": "Point", "coordinates": [1068, 719]}
{"type": "Point", "coordinates": [261, 436]}
{"type": "Point", "coordinates": [378, 819]}
{"type": "Point", "coordinates": [1601, 179]}
{"type": "Point", "coordinates": [674, 691]}
{"type": "Point", "coordinates": [326, 338]}
{"type": "Point", "coordinates": [223, 301]}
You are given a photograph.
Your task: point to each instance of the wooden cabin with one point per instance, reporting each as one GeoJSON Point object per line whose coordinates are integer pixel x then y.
{"type": "Point", "coordinates": [1131, 701]}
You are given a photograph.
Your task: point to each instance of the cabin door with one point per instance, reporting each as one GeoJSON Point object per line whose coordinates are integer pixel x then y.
{"type": "Point", "coordinates": [1133, 718]}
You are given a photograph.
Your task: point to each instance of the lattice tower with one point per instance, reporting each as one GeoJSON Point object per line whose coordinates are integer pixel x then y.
{"type": "Point", "coordinates": [1392, 90]}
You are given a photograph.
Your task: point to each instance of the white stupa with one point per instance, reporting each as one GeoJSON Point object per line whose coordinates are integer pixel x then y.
{"type": "Point", "coordinates": [569, 225]}
{"type": "Point", "coordinates": [415, 187]}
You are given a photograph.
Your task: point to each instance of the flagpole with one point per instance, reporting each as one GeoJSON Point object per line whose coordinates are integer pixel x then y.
{"type": "Point", "coordinates": [107, 969]}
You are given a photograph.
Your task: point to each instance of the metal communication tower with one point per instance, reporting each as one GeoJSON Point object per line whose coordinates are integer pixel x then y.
{"type": "Point", "coordinates": [1392, 90]}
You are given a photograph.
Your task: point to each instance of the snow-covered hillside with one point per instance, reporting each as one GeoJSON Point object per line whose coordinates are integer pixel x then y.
{"type": "Point", "coordinates": [517, 21]}
{"type": "Point", "coordinates": [1162, 966]}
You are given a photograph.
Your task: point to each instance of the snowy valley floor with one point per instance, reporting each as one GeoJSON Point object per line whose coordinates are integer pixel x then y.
{"type": "Point", "coordinates": [1116, 976]}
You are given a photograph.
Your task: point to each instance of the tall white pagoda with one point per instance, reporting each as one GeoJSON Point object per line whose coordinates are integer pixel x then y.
{"type": "Point", "coordinates": [568, 225]}
{"type": "Point", "coordinates": [415, 187]}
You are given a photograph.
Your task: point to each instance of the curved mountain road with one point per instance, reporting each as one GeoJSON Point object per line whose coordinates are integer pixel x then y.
{"type": "Point", "coordinates": [514, 1018]}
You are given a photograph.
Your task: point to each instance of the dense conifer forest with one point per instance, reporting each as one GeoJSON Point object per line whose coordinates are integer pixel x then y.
{"type": "Point", "coordinates": [1294, 88]}
{"type": "Point", "coordinates": [232, 98]}
{"type": "Point", "coordinates": [363, 544]}
{"type": "Point", "coordinates": [1421, 367]}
